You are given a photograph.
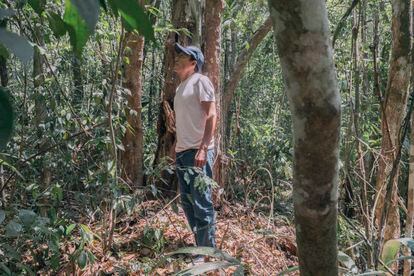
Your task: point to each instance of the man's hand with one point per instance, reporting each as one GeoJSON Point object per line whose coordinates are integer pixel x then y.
{"type": "Point", "coordinates": [200, 158]}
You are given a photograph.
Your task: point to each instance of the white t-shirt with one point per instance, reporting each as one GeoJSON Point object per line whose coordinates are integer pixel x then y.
{"type": "Point", "coordinates": [190, 118]}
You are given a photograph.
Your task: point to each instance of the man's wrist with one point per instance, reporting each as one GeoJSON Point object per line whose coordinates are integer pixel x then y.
{"type": "Point", "coordinates": [203, 147]}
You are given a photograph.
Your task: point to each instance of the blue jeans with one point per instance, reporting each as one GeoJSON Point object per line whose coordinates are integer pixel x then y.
{"type": "Point", "coordinates": [197, 202]}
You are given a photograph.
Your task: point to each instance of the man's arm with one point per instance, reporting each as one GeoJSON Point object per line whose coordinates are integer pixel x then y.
{"type": "Point", "coordinates": [211, 119]}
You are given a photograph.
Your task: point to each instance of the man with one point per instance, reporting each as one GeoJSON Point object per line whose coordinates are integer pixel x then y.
{"type": "Point", "coordinates": [195, 112]}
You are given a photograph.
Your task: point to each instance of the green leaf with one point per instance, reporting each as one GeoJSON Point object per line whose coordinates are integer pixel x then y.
{"type": "Point", "coordinates": [6, 117]}
{"type": "Point", "coordinates": [37, 5]}
{"type": "Point", "coordinates": [87, 234]}
{"type": "Point", "coordinates": [89, 11]}
{"type": "Point", "coordinates": [77, 27]}
{"type": "Point", "coordinates": [203, 268]}
{"type": "Point", "coordinates": [82, 259]}
{"type": "Point", "coordinates": [11, 167]}
{"type": "Point", "coordinates": [208, 251]}
{"type": "Point", "coordinates": [4, 13]}
{"type": "Point", "coordinates": [390, 251]}
{"type": "Point", "coordinates": [18, 45]}
{"type": "Point", "coordinates": [27, 217]}
{"type": "Point", "coordinates": [69, 229]}
{"type": "Point", "coordinates": [13, 229]}
{"type": "Point", "coordinates": [135, 17]}
{"type": "Point", "coordinates": [57, 24]}
{"type": "Point", "coordinates": [2, 216]}
{"type": "Point", "coordinates": [5, 269]}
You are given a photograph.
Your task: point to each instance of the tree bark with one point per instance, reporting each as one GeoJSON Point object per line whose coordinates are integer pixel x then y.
{"type": "Point", "coordinates": [41, 113]}
{"type": "Point", "coordinates": [132, 157]}
{"type": "Point", "coordinates": [410, 194]}
{"type": "Point", "coordinates": [165, 152]}
{"type": "Point", "coordinates": [395, 99]}
{"type": "Point", "coordinates": [4, 76]}
{"type": "Point", "coordinates": [302, 38]}
{"type": "Point", "coordinates": [212, 51]}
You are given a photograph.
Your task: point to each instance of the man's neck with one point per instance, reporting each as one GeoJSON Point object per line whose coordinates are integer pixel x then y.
{"type": "Point", "coordinates": [186, 76]}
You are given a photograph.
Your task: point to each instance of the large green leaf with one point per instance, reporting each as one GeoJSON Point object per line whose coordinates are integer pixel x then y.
{"type": "Point", "coordinates": [89, 11]}
{"type": "Point", "coordinates": [17, 45]}
{"type": "Point", "coordinates": [57, 24]}
{"type": "Point", "coordinates": [390, 251]}
{"type": "Point", "coordinates": [392, 247]}
{"type": "Point", "coordinates": [135, 17]}
{"type": "Point", "coordinates": [77, 27]}
{"type": "Point", "coordinates": [6, 117]}
{"type": "Point", "coordinates": [205, 250]}
{"type": "Point", "coordinates": [205, 267]}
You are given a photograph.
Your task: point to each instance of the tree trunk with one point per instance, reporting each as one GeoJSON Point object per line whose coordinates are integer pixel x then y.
{"type": "Point", "coordinates": [4, 76]}
{"type": "Point", "coordinates": [237, 73]}
{"type": "Point", "coordinates": [302, 37]}
{"type": "Point", "coordinates": [165, 152]}
{"type": "Point", "coordinates": [410, 194]}
{"type": "Point", "coordinates": [132, 157]}
{"type": "Point", "coordinates": [395, 99]}
{"type": "Point", "coordinates": [212, 50]}
{"type": "Point", "coordinates": [410, 201]}
{"type": "Point", "coordinates": [41, 114]}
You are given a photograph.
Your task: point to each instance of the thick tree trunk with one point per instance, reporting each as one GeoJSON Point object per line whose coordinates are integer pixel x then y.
{"type": "Point", "coordinates": [132, 157]}
{"type": "Point", "coordinates": [302, 37]}
{"type": "Point", "coordinates": [165, 152]}
{"type": "Point", "coordinates": [212, 51]}
{"type": "Point", "coordinates": [4, 76]}
{"type": "Point", "coordinates": [395, 99]}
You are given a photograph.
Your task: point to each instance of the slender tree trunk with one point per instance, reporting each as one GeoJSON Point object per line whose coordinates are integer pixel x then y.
{"type": "Point", "coordinates": [212, 51]}
{"type": "Point", "coordinates": [237, 72]}
{"type": "Point", "coordinates": [395, 99]}
{"type": "Point", "coordinates": [410, 194]}
{"type": "Point", "coordinates": [152, 89]}
{"type": "Point", "coordinates": [410, 202]}
{"type": "Point", "coordinates": [132, 157]}
{"type": "Point", "coordinates": [196, 11]}
{"type": "Point", "coordinates": [302, 36]}
{"type": "Point", "coordinates": [41, 112]}
{"type": "Point", "coordinates": [4, 76]}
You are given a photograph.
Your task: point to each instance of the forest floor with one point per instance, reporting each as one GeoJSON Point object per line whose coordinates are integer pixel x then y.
{"type": "Point", "coordinates": [142, 240]}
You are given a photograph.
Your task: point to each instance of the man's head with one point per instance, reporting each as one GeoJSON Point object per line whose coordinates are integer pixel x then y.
{"type": "Point", "coordinates": [188, 60]}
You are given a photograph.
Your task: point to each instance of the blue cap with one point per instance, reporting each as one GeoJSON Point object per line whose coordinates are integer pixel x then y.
{"type": "Point", "coordinates": [192, 51]}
